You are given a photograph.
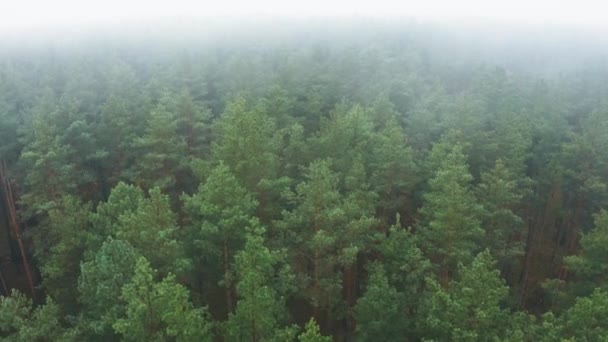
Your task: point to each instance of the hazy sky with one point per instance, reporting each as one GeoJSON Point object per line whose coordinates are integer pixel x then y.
{"type": "Point", "coordinates": [17, 15]}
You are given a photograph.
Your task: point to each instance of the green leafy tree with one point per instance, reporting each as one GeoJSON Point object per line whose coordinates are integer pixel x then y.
{"type": "Point", "coordinates": [160, 311]}
{"type": "Point", "coordinates": [378, 312]}
{"type": "Point", "coordinates": [312, 333]}
{"type": "Point", "coordinates": [260, 310]}
{"type": "Point", "coordinates": [248, 144]}
{"type": "Point", "coordinates": [163, 151]}
{"type": "Point", "coordinates": [450, 229]}
{"type": "Point", "coordinates": [220, 211]}
{"type": "Point", "coordinates": [587, 320]}
{"type": "Point", "coordinates": [99, 287]}
{"type": "Point", "coordinates": [406, 270]}
{"type": "Point", "coordinates": [60, 249]}
{"type": "Point", "coordinates": [193, 123]}
{"type": "Point", "coordinates": [152, 230]}
{"type": "Point", "coordinates": [589, 266]}
{"type": "Point", "coordinates": [21, 322]}
{"type": "Point", "coordinates": [499, 194]}
{"type": "Point", "coordinates": [343, 137]}
{"type": "Point", "coordinates": [123, 198]}
{"type": "Point", "coordinates": [311, 230]}
{"type": "Point", "coordinates": [50, 171]}
{"type": "Point", "coordinates": [393, 171]}
{"type": "Point", "coordinates": [470, 310]}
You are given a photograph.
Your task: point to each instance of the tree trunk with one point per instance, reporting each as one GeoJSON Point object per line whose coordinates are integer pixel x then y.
{"type": "Point", "coordinates": [14, 224]}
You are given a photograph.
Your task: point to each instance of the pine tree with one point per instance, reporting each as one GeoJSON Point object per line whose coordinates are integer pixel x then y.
{"type": "Point", "coordinates": [311, 232]}
{"type": "Point", "coordinates": [21, 322]}
{"type": "Point", "coordinates": [219, 212]}
{"type": "Point", "coordinates": [499, 194]}
{"type": "Point", "coordinates": [343, 137]}
{"type": "Point", "coordinates": [451, 226]}
{"type": "Point", "coordinates": [379, 311]}
{"type": "Point", "coordinates": [406, 270]}
{"type": "Point", "coordinates": [152, 230]}
{"type": "Point", "coordinates": [590, 265]}
{"type": "Point", "coordinates": [248, 144]}
{"type": "Point", "coordinates": [470, 309]}
{"type": "Point", "coordinates": [393, 171]}
{"type": "Point", "coordinates": [587, 320]}
{"type": "Point", "coordinates": [163, 151]}
{"type": "Point", "coordinates": [260, 310]}
{"type": "Point", "coordinates": [312, 333]}
{"type": "Point", "coordinates": [159, 311]}
{"type": "Point", "coordinates": [105, 220]}
{"type": "Point", "coordinates": [50, 172]}
{"type": "Point", "coordinates": [99, 286]}
{"type": "Point", "coordinates": [60, 249]}
{"type": "Point", "coordinates": [193, 123]}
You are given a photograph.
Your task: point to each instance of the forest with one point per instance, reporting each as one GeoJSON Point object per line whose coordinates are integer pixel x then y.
{"type": "Point", "coordinates": [395, 182]}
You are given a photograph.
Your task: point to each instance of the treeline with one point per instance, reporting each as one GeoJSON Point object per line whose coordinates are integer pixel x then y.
{"type": "Point", "coordinates": [301, 190]}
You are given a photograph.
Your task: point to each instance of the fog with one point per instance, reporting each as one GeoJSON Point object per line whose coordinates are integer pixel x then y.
{"type": "Point", "coordinates": [542, 36]}
{"type": "Point", "coordinates": [39, 15]}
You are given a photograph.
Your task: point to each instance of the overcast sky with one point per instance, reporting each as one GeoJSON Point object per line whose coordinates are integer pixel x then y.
{"type": "Point", "coordinates": [19, 15]}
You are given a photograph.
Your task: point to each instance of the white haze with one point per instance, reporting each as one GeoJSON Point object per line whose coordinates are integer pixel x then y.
{"type": "Point", "coordinates": [39, 15]}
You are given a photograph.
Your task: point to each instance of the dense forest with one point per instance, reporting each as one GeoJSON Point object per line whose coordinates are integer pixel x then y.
{"type": "Point", "coordinates": [365, 183]}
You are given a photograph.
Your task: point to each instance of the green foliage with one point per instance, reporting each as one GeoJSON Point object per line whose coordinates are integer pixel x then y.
{"type": "Point", "coordinates": [219, 212]}
{"type": "Point", "coordinates": [379, 310]}
{"type": "Point", "coordinates": [344, 136]}
{"type": "Point", "coordinates": [450, 229]}
{"type": "Point", "coordinates": [61, 248]}
{"type": "Point", "coordinates": [590, 265]}
{"type": "Point", "coordinates": [158, 311]}
{"type": "Point", "coordinates": [406, 270]}
{"type": "Point", "coordinates": [105, 220]}
{"type": "Point", "coordinates": [100, 284]}
{"type": "Point", "coordinates": [469, 309]}
{"type": "Point", "coordinates": [312, 229]}
{"type": "Point", "coordinates": [311, 333]}
{"type": "Point", "coordinates": [152, 230]}
{"type": "Point", "coordinates": [247, 144]}
{"type": "Point", "coordinates": [21, 322]}
{"type": "Point", "coordinates": [503, 228]}
{"type": "Point", "coordinates": [261, 307]}
{"type": "Point", "coordinates": [162, 151]}
{"type": "Point", "coordinates": [587, 320]}
{"type": "Point", "coordinates": [393, 170]}
{"type": "Point", "coordinates": [50, 173]}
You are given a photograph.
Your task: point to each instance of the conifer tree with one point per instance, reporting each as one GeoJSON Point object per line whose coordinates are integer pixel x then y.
{"type": "Point", "coordinates": [587, 320]}
{"type": "Point", "coordinates": [99, 288]}
{"type": "Point", "coordinates": [379, 311]}
{"type": "Point", "coordinates": [60, 249]}
{"type": "Point", "coordinates": [260, 310]}
{"type": "Point", "coordinates": [312, 228]}
{"type": "Point", "coordinates": [248, 144]}
{"type": "Point", "coordinates": [163, 151]}
{"type": "Point", "coordinates": [20, 321]}
{"type": "Point", "coordinates": [451, 226]}
{"type": "Point", "coordinates": [499, 194]}
{"type": "Point", "coordinates": [152, 230]}
{"type": "Point", "coordinates": [406, 270]}
{"type": "Point", "coordinates": [590, 265]}
{"type": "Point", "coordinates": [312, 333]}
{"type": "Point", "coordinates": [50, 171]}
{"type": "Point", "coordinates": [393, 171]}
{"type": "Point", "coordinates": [219, 213]}
{"type": "Point", "coordinates": [470, 308]}
{"type": "Point", "coordinates": [159, 311]}
{"type": "Point", "coordinates": [105, 220]}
